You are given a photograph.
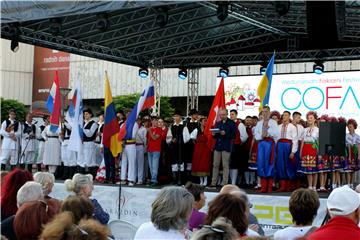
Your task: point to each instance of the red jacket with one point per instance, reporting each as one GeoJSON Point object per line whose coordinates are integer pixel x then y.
{"type": "Point", "coordinates": [337, 228]}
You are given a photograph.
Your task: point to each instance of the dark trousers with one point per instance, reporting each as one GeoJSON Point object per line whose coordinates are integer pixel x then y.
{"type": "Point", "coordinates": [109, 165]}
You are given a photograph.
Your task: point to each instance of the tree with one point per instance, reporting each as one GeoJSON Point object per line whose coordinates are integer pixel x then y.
{"type": "Point", "coordinates": [127, 102]}
{"type": "Point", "coordinates": [7, 104]}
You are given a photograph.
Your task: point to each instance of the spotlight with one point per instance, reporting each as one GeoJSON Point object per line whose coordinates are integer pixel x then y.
{"type": "Point", "coordinates": [162, 16]}
{"type": "Point", "coordinates": [224, 72]}
{"type": "Point", "coordinates": [182, 73]}
{"type": "Point", "coordinates": [318, 67]}
{"type": "Point", "coordinates": [262, 70]}
{"type": "Point", "coordinates": [102, 22]}
{"type": "Point", "coordinates": [14, 45]}
{"type": "Point", "coordinates": [143, 72]}
{"type": "Point", "coordinates": [222, 10]}
{"type": "Point", "coordinates": [55, 26]}
{"type": "Point", "coordinates": [14, 37]}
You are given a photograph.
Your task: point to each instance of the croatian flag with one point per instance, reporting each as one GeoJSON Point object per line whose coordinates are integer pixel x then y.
{"type": "Point", "coordinates": [76, 120]}
{"type": "Point", "coordinates": [54, 104]}
{"type": "Point", "coordinates": [146, 100]}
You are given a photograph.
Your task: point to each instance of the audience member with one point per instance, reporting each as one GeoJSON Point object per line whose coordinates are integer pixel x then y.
{"type": "Point", "coordinates": [170, 214]}
{"type": "Point", "coordinates": [64, 227]}
{"type": "Point", "coordinates": [30, 191]}
{"type": "Point", "coordinates": [197, 218]}
{"type": "Point", "coordinates": [343, 206]}
{"type": "Point", "coordinates": [82, 186]}
{"type": "Point", "coordinates": [30, 218]}
{"type": "Point", "coordinates": [220, 229]}
{"type": "Point", "coordinates": [12, 182]}
{"type": "Point", "coordinates": [47, 181]}
{"type": "Point", "coordinates": [357, 189]}
{"type": "Point", "coordinates": [80, 207]}
{"type": "Point", "coordinates": [303, 206]}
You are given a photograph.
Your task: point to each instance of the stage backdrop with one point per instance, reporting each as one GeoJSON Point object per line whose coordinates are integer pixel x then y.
{"type": "Point", "coordinates": [271, 211]}
{"type": "Point", "coordinates": [334, 93]}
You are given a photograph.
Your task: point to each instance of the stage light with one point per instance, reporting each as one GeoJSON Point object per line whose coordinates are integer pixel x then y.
{"type": "Point", "coordinates": [224, 72]}
{"type": "Point", "coordinates": [102, 22]}
{"type": "Point", "coordinates": [318, 67]}
{"type": "Point", "coordinates": [262, 70]}
{"type": "Point", "coordinates": [55, 26]}
{"type": "Point", "coordinates": [162, 16]}
{"type": "Point", "coordinates": [222, 10]}
{"type": "Point", "coordinates": [143, 72]}
{"type": "Point", "coordinates": [14, 37]}
{"type": "Point", "coordinates": [182, 73]}
{"type": "Point", "coordinates": [14, 45]}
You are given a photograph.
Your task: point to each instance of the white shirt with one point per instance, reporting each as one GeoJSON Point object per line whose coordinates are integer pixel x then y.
{"type": "Point", "coordinates": [352, 139]}
{"type": "Point", "coordinates": [272, 130]}
{"type": "Point", "coordinates": [243, 134]}
{"type": "Point", "coordinates": [311, 134]}
{"type": "Point", "coordinates": [251, 233]}
{"type": "Point", "coordinates": [186, 134]}
{"type": "Point", "coordinates": [91, 131]}
{"type": "Point", "coordinates": [300, 131]}
{"type": "Point", "coordinates": [291, 233]}
{"type": "Point", "coordinates": [148, 231]}
{"type": "Point", "coordinates": [30, 144]}
{"type": "Point", "coordinates": [141, 135]}
{"type": "Point", "coordinates": [290, 134]}
{"type": "Point", "coordinates": [7, 142]}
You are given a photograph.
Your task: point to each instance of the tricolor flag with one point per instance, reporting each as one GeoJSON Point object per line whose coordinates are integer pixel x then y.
{"type": "Point", "coordinates": [75, 140]}
{"type": "Point", "coordinates": [54, 104]}
{"type": "Point", "coordinates": [146, 100]}
{"type": "Point", "coordinates": [263, 90]}
{"type": "Point", "coordinates": [111, 126]}
{"type": "Point", "coordinates": [214, 114]}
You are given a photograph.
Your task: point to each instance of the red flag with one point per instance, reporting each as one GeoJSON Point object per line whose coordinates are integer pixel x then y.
{"type": "Point", "coordinates": [214, 116]}
{"type": "Point", "coordinates": [55, 115]}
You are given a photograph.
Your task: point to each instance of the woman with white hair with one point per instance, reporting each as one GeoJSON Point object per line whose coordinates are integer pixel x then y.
{"type": "Point", "coordinates": [170, 214]}
{"type": "Point", "coordinates": [82, 186]}
{"type": "Point", "coordinates": [47, 181]}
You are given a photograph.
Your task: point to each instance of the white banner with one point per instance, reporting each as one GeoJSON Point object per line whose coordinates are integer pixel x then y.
{"type": "Point", "coordinates": [271, 211]}
{"type": "Point", "coordinates": [334, 93]}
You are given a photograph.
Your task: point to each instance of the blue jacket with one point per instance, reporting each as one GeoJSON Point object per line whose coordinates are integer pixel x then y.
{"type": "Point", "coordinates": [224, 142]}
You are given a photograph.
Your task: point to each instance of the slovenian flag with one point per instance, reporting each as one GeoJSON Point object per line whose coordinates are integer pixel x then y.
{"type": "Point", "coordinates": [54, 104]}
{"type": "Point", "coordinates": [111, 126]}
{"type": "Point", "coordinates": [146, 100]}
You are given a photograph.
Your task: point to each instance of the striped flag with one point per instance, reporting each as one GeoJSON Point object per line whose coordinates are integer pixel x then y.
{"type": "Point", "coordinates": [111, 126]}
{"type": "Point", "coordinates": [263, 90]}
{"type": "Point", "coordinates": [54, 104]}
{"type": "Point", "coordinates": [75, 140]}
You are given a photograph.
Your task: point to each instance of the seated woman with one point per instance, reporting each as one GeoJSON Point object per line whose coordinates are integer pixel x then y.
{"type": "Point", "coordinates": [169, 216]}
{"type": "Point", "coordinates": [221, 228]}
{"type": "Point", "coordinates": [47, 181]}
{"type": "Point", "coordinates": [303, 206]}
{"type": "Point", "coordinates": [197, 218]}
{"type": "Point", "coordinates": [82, 186]}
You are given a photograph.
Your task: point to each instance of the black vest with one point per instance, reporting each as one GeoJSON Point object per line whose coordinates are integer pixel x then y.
{"type": "Point", "coordinates": [177, 132]}
{"type": "Point", "coordinates": [29, 128]}
{"type": "Point", "coordinates": [192, 126]}
{"type": "Point", "coordinates": [67, 132]}
{"type": "Point", "coordinates": [101, 129]}
{"type": "Point", "coordinates": [93, 137]}
{"type": "Point", "coordinates": [16, 124]}
{"type": "Point", "coordinates": [42, 127]}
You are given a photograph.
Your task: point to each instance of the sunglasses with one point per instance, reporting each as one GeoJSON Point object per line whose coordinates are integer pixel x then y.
{"type": "Point", "coordinates": [214, 229]}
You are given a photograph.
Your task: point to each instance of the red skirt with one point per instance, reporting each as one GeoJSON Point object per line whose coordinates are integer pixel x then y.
{"type": "Point", "coordinates": [253, 156]}
{"type": "Point", "coordinates": [308, 159]}
{"type": "Point", "coordinates": [201, 158]}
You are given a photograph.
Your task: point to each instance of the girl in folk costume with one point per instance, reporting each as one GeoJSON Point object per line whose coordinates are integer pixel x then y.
{"type": "Point", "coordinates": [275, 115]}
{"type": "Point", "coordinates": [351, 162]}
{"type": "Point", "coordinates": [253, 151]}
{"type": "Point", "coordinates": [201, 165]}
{"type": "Point", "coordinates": [309, 150]}
{"type": "Point", "coordinates": [52, 148]}
{"type": "Point", "coordinates": [323, 164]}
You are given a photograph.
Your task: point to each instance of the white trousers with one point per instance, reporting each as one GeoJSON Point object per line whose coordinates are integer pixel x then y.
{"type": "Point", "coordinates": [9, 155]}
{"type": "Point", "coordinates": [140, 162]}
{"type": "Point", "coordinates": [28, 157]}
{"type": "Point", "coordinates": [40, 155]}
{"type": "Point", "coordinates": [88, 156]}
{"type": "Point", "coordinates": [68, 157]}
{"type": "Point", "coordinates": [128, 163]}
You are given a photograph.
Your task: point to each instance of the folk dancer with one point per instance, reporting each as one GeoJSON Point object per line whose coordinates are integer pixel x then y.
{"type": "Point", "coordinates": [192, 124]}
{"type": "Point", "coordinates": [68, 157]}
{"type": "Point", "coordinates": [52, 148]}
{"type": "Point", "coordinates": [140, 151]}
{"type": "Point", "coordinates": [40, 155]}
{"type": "Point", "coordinates": [351, 163]}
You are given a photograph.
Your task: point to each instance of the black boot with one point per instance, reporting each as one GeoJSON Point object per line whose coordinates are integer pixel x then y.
{"type": "Point", "coordinates": [174, 176]}
{"type": "Point", "coordinates": [180, 177]}
{"type": "Point", "coordinates": [3, 167]}
{"type": "Point", "coordinates": [29, 168]}
{"type": "Point", "coordinates": [81, 170]}
{"type": "Point", "coordinates": [22, 166]}
{"type": "Point", "coordinates": [72, 172]}
{"type": "Point", "coordinates": [65, 173]}
{"type": "Point", "coordinates": [93, 171]}
{"type": "Point", "coordinates": [39, 167]}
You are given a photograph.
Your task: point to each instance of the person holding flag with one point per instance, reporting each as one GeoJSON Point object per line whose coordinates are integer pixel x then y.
{"type": "Point", "coordinates": [88, 158]}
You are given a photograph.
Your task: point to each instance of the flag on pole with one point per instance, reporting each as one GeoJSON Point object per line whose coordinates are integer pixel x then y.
{"type": "Point", "coordinates": [75, 140]}
{"type": "Point", "coordinates": [263, 90]}
{"type": "Point", "coordinates": [54, 104]}
{"type": "Point", "coordinates": [111, 126]}
{"type": "Point", "coordinates": [214, 114]}
{"type": "Point", "coordinates": [146, 100]}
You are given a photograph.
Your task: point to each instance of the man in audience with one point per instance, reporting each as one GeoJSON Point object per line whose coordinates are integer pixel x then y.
{"type": "Point", "coordinates": [343, 206]}
{"type": "Point", "coordinates": [30, 191]}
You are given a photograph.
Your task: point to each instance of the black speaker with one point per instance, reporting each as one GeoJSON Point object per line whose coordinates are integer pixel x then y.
{"type": "Point", "coordinates": [332, 138]}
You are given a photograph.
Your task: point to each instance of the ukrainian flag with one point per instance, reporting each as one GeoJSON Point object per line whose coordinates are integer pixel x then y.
{"type": "Point", "coordinates": [263, 90]}
{"type": "Point", "coordinates": [111, 126]}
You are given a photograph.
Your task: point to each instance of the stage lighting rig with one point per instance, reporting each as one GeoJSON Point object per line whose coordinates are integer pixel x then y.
{"type": "Point", "coordinates": [224, 72]}
{"type": "Point", "coordinates": [318, 67]}
{"type": "Point", "coordinates": [182, 73]}
{"type": "Point", "coordinates": [143, 72]}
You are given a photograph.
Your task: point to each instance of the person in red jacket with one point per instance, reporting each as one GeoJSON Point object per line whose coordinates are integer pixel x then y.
{"type": "Point", "coordinates": [343, 207]}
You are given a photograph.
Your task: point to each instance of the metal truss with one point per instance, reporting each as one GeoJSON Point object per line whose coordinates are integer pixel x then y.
{"type": "Point", "coordinates": [155, 76]}
{"type": "Point", "coordinates": [73, 46]}
{"type": "Point", "coordinates": [192, 100]}
{"type": "Point", "coordinates": [257, 58]}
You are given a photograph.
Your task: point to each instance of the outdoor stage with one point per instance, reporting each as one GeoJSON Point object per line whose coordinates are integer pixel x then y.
{"type": "Point", "coordinates": [271, 209]}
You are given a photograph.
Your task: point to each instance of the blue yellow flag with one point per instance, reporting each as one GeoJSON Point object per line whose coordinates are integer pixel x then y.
{"type": "Point", "coordinates": [263, 90]}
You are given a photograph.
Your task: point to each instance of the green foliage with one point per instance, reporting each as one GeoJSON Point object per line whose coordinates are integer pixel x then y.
{"type": "Point", "coordinates": [127, 102]}
{"type": "Point", "coordinates": [7, 104]}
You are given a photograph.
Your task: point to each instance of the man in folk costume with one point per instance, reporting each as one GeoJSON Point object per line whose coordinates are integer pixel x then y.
{"type": "Point", "coordinates": [28, 142]}
{"type": "Point", "coordinates": [98, 140]}
{"type": "Point", "coordinates": [250, 173]}
{"type": "Point", "coordinates": [41, 139]}
{"type": "Point", "coordinates": [300, 136]}
{"type": "Point", "coordinates": [11, 131]}
{"type": "Point", "coordinates": [286, 149]}
{"type": "Point", "coordinates": [88, 158]}
{"type": "Point", "coordinates": [140, 150]}
{"type": "Point", "coordinates": [238, 158]}
{"type": "Point", "coordinates": [177, 136]}
{"type": "Point", "coordinates": [192, 123]}
{"type": "Point", "coordinates": [266, 132]}
{"type": "Point", "coordinates": [68, 156]}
